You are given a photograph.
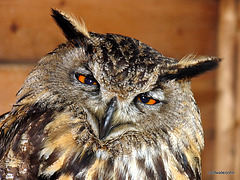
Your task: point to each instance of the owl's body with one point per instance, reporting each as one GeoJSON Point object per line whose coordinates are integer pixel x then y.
{"type": "Point", "coordinates": [104, 107]}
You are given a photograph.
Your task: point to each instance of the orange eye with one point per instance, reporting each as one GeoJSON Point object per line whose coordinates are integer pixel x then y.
{"type": "Point", "coordinates": [146, 100]}
{"type": "Point", "coordinates": [151, 101]}
{"type": "Point", "coordinates": [87, 80]}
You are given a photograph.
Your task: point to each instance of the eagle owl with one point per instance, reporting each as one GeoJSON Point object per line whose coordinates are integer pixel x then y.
{"type": "Point", "coordinates": [104, 106]}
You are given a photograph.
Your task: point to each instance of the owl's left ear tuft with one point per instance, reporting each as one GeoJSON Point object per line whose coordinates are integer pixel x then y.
{"type": "Point", "coordinates": [74, 30]}
{"type": "Point", "coordinates": [191, 66]}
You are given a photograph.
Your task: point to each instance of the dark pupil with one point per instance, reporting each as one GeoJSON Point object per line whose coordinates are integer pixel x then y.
{"type": "Point", "coordinates": [144, 98]}
{"type": "Point", "coordinates": [89, 81]}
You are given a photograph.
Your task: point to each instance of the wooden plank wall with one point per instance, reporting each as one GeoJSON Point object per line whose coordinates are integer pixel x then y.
{"type": "Point", "coordinates": [175, 28]}
{"type": "Point", "coordinates": [172, 27]}
{"type": "Point", "coordinates": [227, 104]}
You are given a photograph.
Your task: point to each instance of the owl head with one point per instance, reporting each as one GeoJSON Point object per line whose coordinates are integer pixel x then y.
{"type": "Point", "coordinates": [103, 103]}
{"type": "Point", "coordinates": [120, 83]}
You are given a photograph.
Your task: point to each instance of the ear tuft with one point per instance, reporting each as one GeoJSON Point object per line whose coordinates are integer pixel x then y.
{"type": "Point", "coordinates": [191, 66]}
{"type": "Point", "coordinates": [73, 29]}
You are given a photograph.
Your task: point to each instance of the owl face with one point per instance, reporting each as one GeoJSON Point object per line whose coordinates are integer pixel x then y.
{"type": "Point", "coordinates": [121, 83]}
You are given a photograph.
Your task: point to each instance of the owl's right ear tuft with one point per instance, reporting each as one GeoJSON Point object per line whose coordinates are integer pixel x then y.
{"type": "Point", "coordinates": [74, 30]}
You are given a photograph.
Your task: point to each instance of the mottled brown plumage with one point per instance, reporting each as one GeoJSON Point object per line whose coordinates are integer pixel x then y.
{"type": "Point", "coordinates": [104, 106]}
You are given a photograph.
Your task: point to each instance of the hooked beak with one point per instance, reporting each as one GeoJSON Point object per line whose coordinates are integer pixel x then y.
{"type": "Point", "coordinates": [105, 124]}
